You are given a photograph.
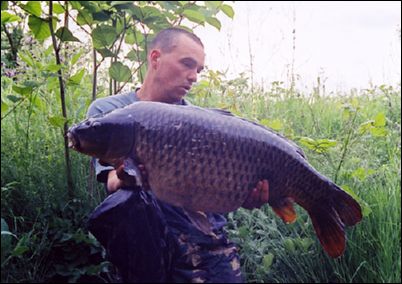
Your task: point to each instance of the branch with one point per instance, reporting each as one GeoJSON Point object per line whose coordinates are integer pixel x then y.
{"type": "Point", "coordinates": [63, 104]}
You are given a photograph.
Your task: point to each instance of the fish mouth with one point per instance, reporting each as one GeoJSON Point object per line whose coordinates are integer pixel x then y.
{"type": "Point", "coordinates": [73, 142]}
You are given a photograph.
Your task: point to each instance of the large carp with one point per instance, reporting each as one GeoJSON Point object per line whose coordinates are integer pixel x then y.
{"type": "Point", "coordinates": [209, 160]}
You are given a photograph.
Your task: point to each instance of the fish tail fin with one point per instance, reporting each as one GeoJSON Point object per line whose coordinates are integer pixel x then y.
{"type": "Point", "coordinates": [329, 220]}
{"type": "Point", "coordinates": [347, 207]}
{"type": "Point", "coordinates": [329, 229]}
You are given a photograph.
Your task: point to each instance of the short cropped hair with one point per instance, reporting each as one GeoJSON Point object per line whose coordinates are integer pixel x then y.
{"type": "Point", "coordinates": [166, 39]}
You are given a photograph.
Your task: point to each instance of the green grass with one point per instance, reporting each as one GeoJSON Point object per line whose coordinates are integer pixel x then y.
{"type": "Point", "coordinates": [49, 240]}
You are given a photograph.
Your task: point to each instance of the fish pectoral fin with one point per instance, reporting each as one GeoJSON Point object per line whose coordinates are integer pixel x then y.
{"type": "Point", "coordinates": [286, 211]}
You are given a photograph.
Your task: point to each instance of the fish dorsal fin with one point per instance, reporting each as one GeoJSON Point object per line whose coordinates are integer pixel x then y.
{"type": "Point", "coordinates": [290, 142]}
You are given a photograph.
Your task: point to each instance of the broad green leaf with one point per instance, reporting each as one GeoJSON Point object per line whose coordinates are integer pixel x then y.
{"type": "Point", "coordinates": [105, 52]}
{"type": "Point", "coordinates": [90, 6]}
{"type": "Point", "coordinates": [171, 16]}
{"type": "Point", "coordinates": [14, 99]}
{"type": "Point", "coordinates": [4, 6]}
{"type": "Point", "coordinates": [308, 142]}
{"type": "Point", "coordinates": [275, 124]}
{"type": "Point", "coordinates": [75, 4]}
{"type": "Point", "coordinates": [319, 145]}
{"type": "Point", "coordinates": [103, 36]}
{"type": "Point", "coordinates": [48, 51]}
{"type": "Point", "coordinates": [362, 173]}
{"type": "Point", "coordinates": [228, 10]}
{"type": "Point", "coordinates": [120, 25]}
{"type": "Point", "coordinates": [186, 28]}
{"type": "Point", "coordinates": [378, 131]}
{"type": "Point", "coordinates": [39, 27]}
{"type": "Point", "coordinates": [120, 72]}
{"type": "Point", "coordinates": [213, 4]}
{"type": "Point", "coordinates": [39, 103]}
{"type": "Point", "coordinates": [134, 36]}
{"type": "Point", "coordinates": [121, 4]}
{"type": "Point", "coordinates": [136, 56]}
{"type": "Point", "coordinates": [150, 11]}
{"type": "Point", "coordinates": [366, 126]}
{"type": "Point", "coordinates": [326, 143]}
{"type": "Point", "coordinates": [23, 90]}
{"type": "Point", "coordinates": [101, 16]}
{"type": "Point", "coordinates": [6, 17]}
{"type": "Point", "coordinates": [135, 12]}
{"type": "Point", "coordinates": [32, 83]}
{"type": "Point", "coordinates": [75, 57]}
{"type": "Point", "coordinates": [194, 16]}
{"type": "Point", "coordinates": [33, 8]}
{"type": "Point", "coordinates": [289, 245]}
{"type": "Point", "coordinates": [26, 57]}
{"type": "Point", "coordinates": [58, 9]}
{"type": "Point", "coordinates": [129, 38]}
{"type": "Point", "coordinates": [169, 5]}
{"type": "Point", "coordinates": [84, 18]}
{"type": "Point", "coordinates": [57, 120]}
{"type": "Point", "coordinates": [21, 246]}
{"type": "Point", "coordinates": [379, 119]}
{"type": "Point", "coordinates": [267, 260]}
{"type": "Point", "coordinates": [306, 243]}
{"type": "Point", "coordinates": [132, 55]}
{"type": "Point", "coordinates": [154, 18]}
{"type": "Point", "coordinates": [64, 34]}
{"type": "Point", "coordinates": [4, 107]}
{"type": "Point", "coordinates": [20, 250]}
{"type": "Point", "coordinates": [52, 67]}
{"type": "Point", "coordinates": [214, 22]}
{"type": "Point", "coordinates": [52, 84]}
{"type": "Point", "coordinates": [77, 77]}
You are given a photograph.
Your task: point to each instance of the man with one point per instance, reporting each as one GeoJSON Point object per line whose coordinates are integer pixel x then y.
{"type": "Point", "coordinates": [152, 240]}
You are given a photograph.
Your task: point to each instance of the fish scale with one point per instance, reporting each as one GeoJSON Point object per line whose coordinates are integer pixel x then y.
{"type": "Point", "coordinates": [209, 160]}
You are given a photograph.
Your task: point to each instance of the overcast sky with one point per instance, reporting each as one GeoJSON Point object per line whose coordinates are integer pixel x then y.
{"type": "Point", "coordinates": [348, 44]}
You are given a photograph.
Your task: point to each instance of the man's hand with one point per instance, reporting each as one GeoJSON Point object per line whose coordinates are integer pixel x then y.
{"type": "Point", "coordinates": [258, 196]}
{"type": "Point", "coordinates": [119, 178]}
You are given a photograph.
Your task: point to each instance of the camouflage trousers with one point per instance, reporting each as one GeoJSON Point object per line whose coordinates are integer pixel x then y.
{"type": "Point", "coordinates": [149, 241]}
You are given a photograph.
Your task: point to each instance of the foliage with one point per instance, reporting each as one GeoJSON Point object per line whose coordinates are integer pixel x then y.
{"type": "Point", "coordinates": [351, 137]}
{"type": "Point", "coordinates": [108, 24]}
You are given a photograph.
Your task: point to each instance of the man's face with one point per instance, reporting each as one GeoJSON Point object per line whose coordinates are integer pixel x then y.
{"type": "Point", "coordinates": [177, 70]}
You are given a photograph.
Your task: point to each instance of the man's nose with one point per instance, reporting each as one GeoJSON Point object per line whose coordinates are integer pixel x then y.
{"type": "Point", "coordinates": [192, 76]}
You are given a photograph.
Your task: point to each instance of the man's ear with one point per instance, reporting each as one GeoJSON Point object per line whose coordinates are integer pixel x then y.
{"type": "Point", "coordinates": [154, 58]}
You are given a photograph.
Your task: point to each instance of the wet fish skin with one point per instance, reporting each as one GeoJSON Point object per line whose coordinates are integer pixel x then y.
{"type": "Point", "coordinates": [206, 160]}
